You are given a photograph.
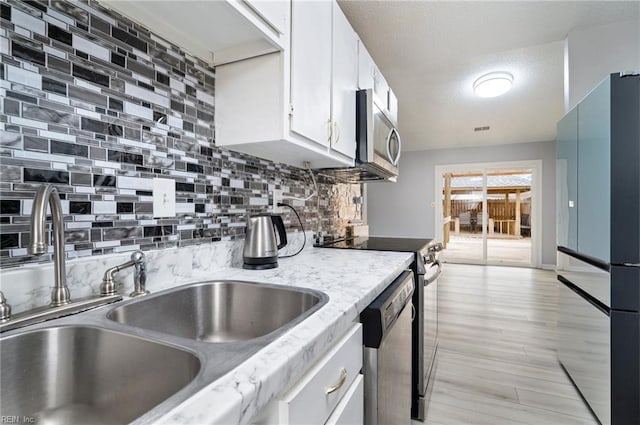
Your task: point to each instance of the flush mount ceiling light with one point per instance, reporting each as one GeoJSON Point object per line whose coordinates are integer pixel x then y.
{"type": "Point", "coordinates": [493, 84]}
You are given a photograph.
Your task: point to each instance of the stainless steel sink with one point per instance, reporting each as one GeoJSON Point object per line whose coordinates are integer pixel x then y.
{"type": "Point", "coordinates": [136, 362]}
{"type": "Point", "coordinates": [88, 375]}
{"type": "Point", "coordinates": [220, 311]}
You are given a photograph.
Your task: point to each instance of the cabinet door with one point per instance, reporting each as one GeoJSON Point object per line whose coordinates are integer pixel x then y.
{"type": "Point", "coordinates": [311, 70]}
{"type": "Point", "coordinates": [345, 84]}
{"type": "Point", "coordinates": [308, 402]}
{"type": "Point", "coordinates": [366, 67]}
{"type": "Point", "coordinates": [594, 166]}
{"type": "Point", "coordinates": [274, 12]}
{"type": "Point", "coordinates": [567, 181]}
{"type": "Point", "coordinates": [393, 106]}
{"type": "Point", "coordinates": [380, 90]}
{"type": "Point", "coordinates": [350, 410]}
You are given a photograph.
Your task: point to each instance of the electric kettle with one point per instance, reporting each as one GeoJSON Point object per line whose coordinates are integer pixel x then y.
{"type": "Point", "coordinates": [260, 245]}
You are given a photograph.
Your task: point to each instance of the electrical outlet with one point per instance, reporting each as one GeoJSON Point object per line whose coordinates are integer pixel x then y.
{"type": "Point", "coordinates": [164, 198]}
{"type": "Point", "coordinates": [275, 198]}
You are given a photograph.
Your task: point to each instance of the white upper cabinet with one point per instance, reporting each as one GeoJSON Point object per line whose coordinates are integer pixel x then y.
{"type": "Point", "coordinates": [324, 67]}
{"type": "Point", "coordinates": [380, 90]}
{"type": "Point", "coordinates": [370, 77]}
{"type": "Point", "coordinates": [393, 105]}
{"type": "Point", "coordinates": [297, 105]}
{"type": "Point", "coordinates": [366, 67]}
{"type": "Point", "coordinates": [273, 12]}
{"type": "Point", "coordinates": [344, 85]}
{"type": "Point", "coordinates": [218, 31]}
{"type": "Point", "coordinates": [311, 70]}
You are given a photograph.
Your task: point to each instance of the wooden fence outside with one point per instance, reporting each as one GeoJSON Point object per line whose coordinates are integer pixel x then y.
{"type": "Point", "coordinates": [498, 209]}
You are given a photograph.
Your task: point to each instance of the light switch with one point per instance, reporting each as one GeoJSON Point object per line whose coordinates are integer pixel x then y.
{"type": "Point", "coordinates": [164, 198]}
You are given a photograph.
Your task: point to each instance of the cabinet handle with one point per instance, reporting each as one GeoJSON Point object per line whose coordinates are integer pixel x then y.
{"type": "Point", "coordinates": [330, 129]}
{"type": "Point", "coordinates": [336, 387]}
{"type": "Point", "coordinates": [337, 130]}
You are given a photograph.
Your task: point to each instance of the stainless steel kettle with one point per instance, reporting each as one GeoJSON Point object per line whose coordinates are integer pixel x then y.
{"type": "Point", "coordinates": [260, 245]}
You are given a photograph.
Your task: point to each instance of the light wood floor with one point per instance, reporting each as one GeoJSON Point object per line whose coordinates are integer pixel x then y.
{"type": "Point", "coordinates": [467, 247]}
{"type": "Point", "coordinates": [496, 361]}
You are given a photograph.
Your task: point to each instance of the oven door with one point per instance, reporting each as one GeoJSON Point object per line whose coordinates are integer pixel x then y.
{"type": "Point", "coordinates": [430, 322]}
{"type": "Point", "coordinates": [425, 335]}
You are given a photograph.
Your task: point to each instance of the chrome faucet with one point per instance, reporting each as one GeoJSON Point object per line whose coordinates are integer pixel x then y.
{"type": "Point", "coordinates": [61, 304]}
{"type": "Point", "coordinates": [110, 287]}
{"type": "Point", "coordinates": [48, 194]}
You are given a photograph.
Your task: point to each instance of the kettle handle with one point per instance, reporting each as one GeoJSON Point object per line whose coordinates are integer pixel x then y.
{"type": "Point", "coordinates": [278, 224]}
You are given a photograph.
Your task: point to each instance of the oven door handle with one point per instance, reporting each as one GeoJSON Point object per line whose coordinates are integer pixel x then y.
{"type": "Point", "coordinates": [435, 276]}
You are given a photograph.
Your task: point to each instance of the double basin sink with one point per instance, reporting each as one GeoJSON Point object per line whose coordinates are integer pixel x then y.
{"type": "Point", "coordinates": [145, 356]}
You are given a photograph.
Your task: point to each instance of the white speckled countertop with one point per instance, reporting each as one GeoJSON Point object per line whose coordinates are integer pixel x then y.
{"type": "Point", "coordinates": [351, 279]}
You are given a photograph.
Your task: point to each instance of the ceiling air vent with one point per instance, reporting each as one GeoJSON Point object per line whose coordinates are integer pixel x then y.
{"type": "Point", "coordinates": [485, 128]}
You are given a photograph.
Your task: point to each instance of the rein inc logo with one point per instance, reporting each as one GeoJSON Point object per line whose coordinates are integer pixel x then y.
{"type": "Point", "coordinates": [15, 419]}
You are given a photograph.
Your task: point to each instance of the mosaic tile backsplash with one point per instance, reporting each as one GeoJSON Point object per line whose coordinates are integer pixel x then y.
{"type": "Point", "coordinates": [99, 106]}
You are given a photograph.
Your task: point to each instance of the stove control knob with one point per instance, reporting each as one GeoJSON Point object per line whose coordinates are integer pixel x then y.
{"type": "Point", "coordinates": [429, 258]}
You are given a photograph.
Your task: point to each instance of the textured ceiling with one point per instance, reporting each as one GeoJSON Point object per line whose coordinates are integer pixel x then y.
{"type": "Point", "coordinates": [431, 52]}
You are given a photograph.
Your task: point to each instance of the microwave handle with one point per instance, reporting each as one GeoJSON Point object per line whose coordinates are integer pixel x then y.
{"type": "Point", "coordinates": [395, 160]}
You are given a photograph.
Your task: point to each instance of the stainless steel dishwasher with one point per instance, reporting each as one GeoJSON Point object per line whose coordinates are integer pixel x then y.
{"type": "Point", "coordinates": [387, 354]}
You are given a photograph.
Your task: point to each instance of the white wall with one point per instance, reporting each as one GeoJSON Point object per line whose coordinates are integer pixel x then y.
{"type": "Point", "coordinates": [595, 52]}
{"type": "Point", "coordinates": [404, 209]}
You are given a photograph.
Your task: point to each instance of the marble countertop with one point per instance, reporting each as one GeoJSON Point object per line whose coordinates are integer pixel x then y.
{"type": "Point", "coordinates": [351, 279]}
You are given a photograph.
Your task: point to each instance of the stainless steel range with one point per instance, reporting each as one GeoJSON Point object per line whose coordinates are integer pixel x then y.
{"type": "Point", "coordinates": [426, 268]}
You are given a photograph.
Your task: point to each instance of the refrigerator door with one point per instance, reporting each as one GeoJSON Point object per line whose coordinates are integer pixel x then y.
{"type": "Point", "coordinates": [625, 367]}
{"type": "Point", "coordinates": [567, 181]}
{"type": "Point", "coordinates": [592, 280]}
{"type": "Point", "coordinates": [625, 170]}
{"type": "Point", "coordinates": [584, 349]}
{"type": "Point", "coordinates": [594, 178]}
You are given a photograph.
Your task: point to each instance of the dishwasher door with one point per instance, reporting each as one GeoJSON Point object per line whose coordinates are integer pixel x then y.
{"type": "Point", "coordinates": [388, 375]}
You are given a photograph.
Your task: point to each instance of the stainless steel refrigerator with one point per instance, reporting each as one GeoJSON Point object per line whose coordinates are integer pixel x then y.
{"type": "Point", "coordinates": [598, 238]}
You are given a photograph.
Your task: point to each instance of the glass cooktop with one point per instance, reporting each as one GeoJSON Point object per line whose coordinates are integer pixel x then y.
{"type": "Point", "coordinates": [381, 244]}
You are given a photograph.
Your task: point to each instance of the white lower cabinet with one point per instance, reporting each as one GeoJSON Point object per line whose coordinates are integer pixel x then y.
{"type": "Point", "coordinates": [350, 410]}
{"type": "Point", "coordinates": [330, 392]}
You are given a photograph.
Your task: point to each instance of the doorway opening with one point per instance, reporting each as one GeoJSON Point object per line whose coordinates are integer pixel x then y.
{"type": "Point", "coordinates": [488, 213]}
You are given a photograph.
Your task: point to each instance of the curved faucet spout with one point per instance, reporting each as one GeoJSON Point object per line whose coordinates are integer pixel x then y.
{"type": "Point", "coordinates": [48, 195]}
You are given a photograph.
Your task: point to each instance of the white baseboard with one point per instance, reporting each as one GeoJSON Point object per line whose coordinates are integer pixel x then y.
{"type": "Point", "coordinates": [548, 267]}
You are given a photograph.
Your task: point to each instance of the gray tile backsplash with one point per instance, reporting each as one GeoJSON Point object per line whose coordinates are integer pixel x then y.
{"type": "Point", "coordinates": [99, 106]}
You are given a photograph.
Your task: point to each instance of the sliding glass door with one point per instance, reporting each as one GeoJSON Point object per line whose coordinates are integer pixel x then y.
{"type": "Point", "coordinates": [509, 206]}
{"type": "Point", "coordinates": [486, 214]}
{"type": "Point", "coordinates": [464, 206]}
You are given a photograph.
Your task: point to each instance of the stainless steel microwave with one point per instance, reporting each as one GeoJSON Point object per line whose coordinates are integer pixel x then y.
{"type": "Point", "coordinates": [378, 144]}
